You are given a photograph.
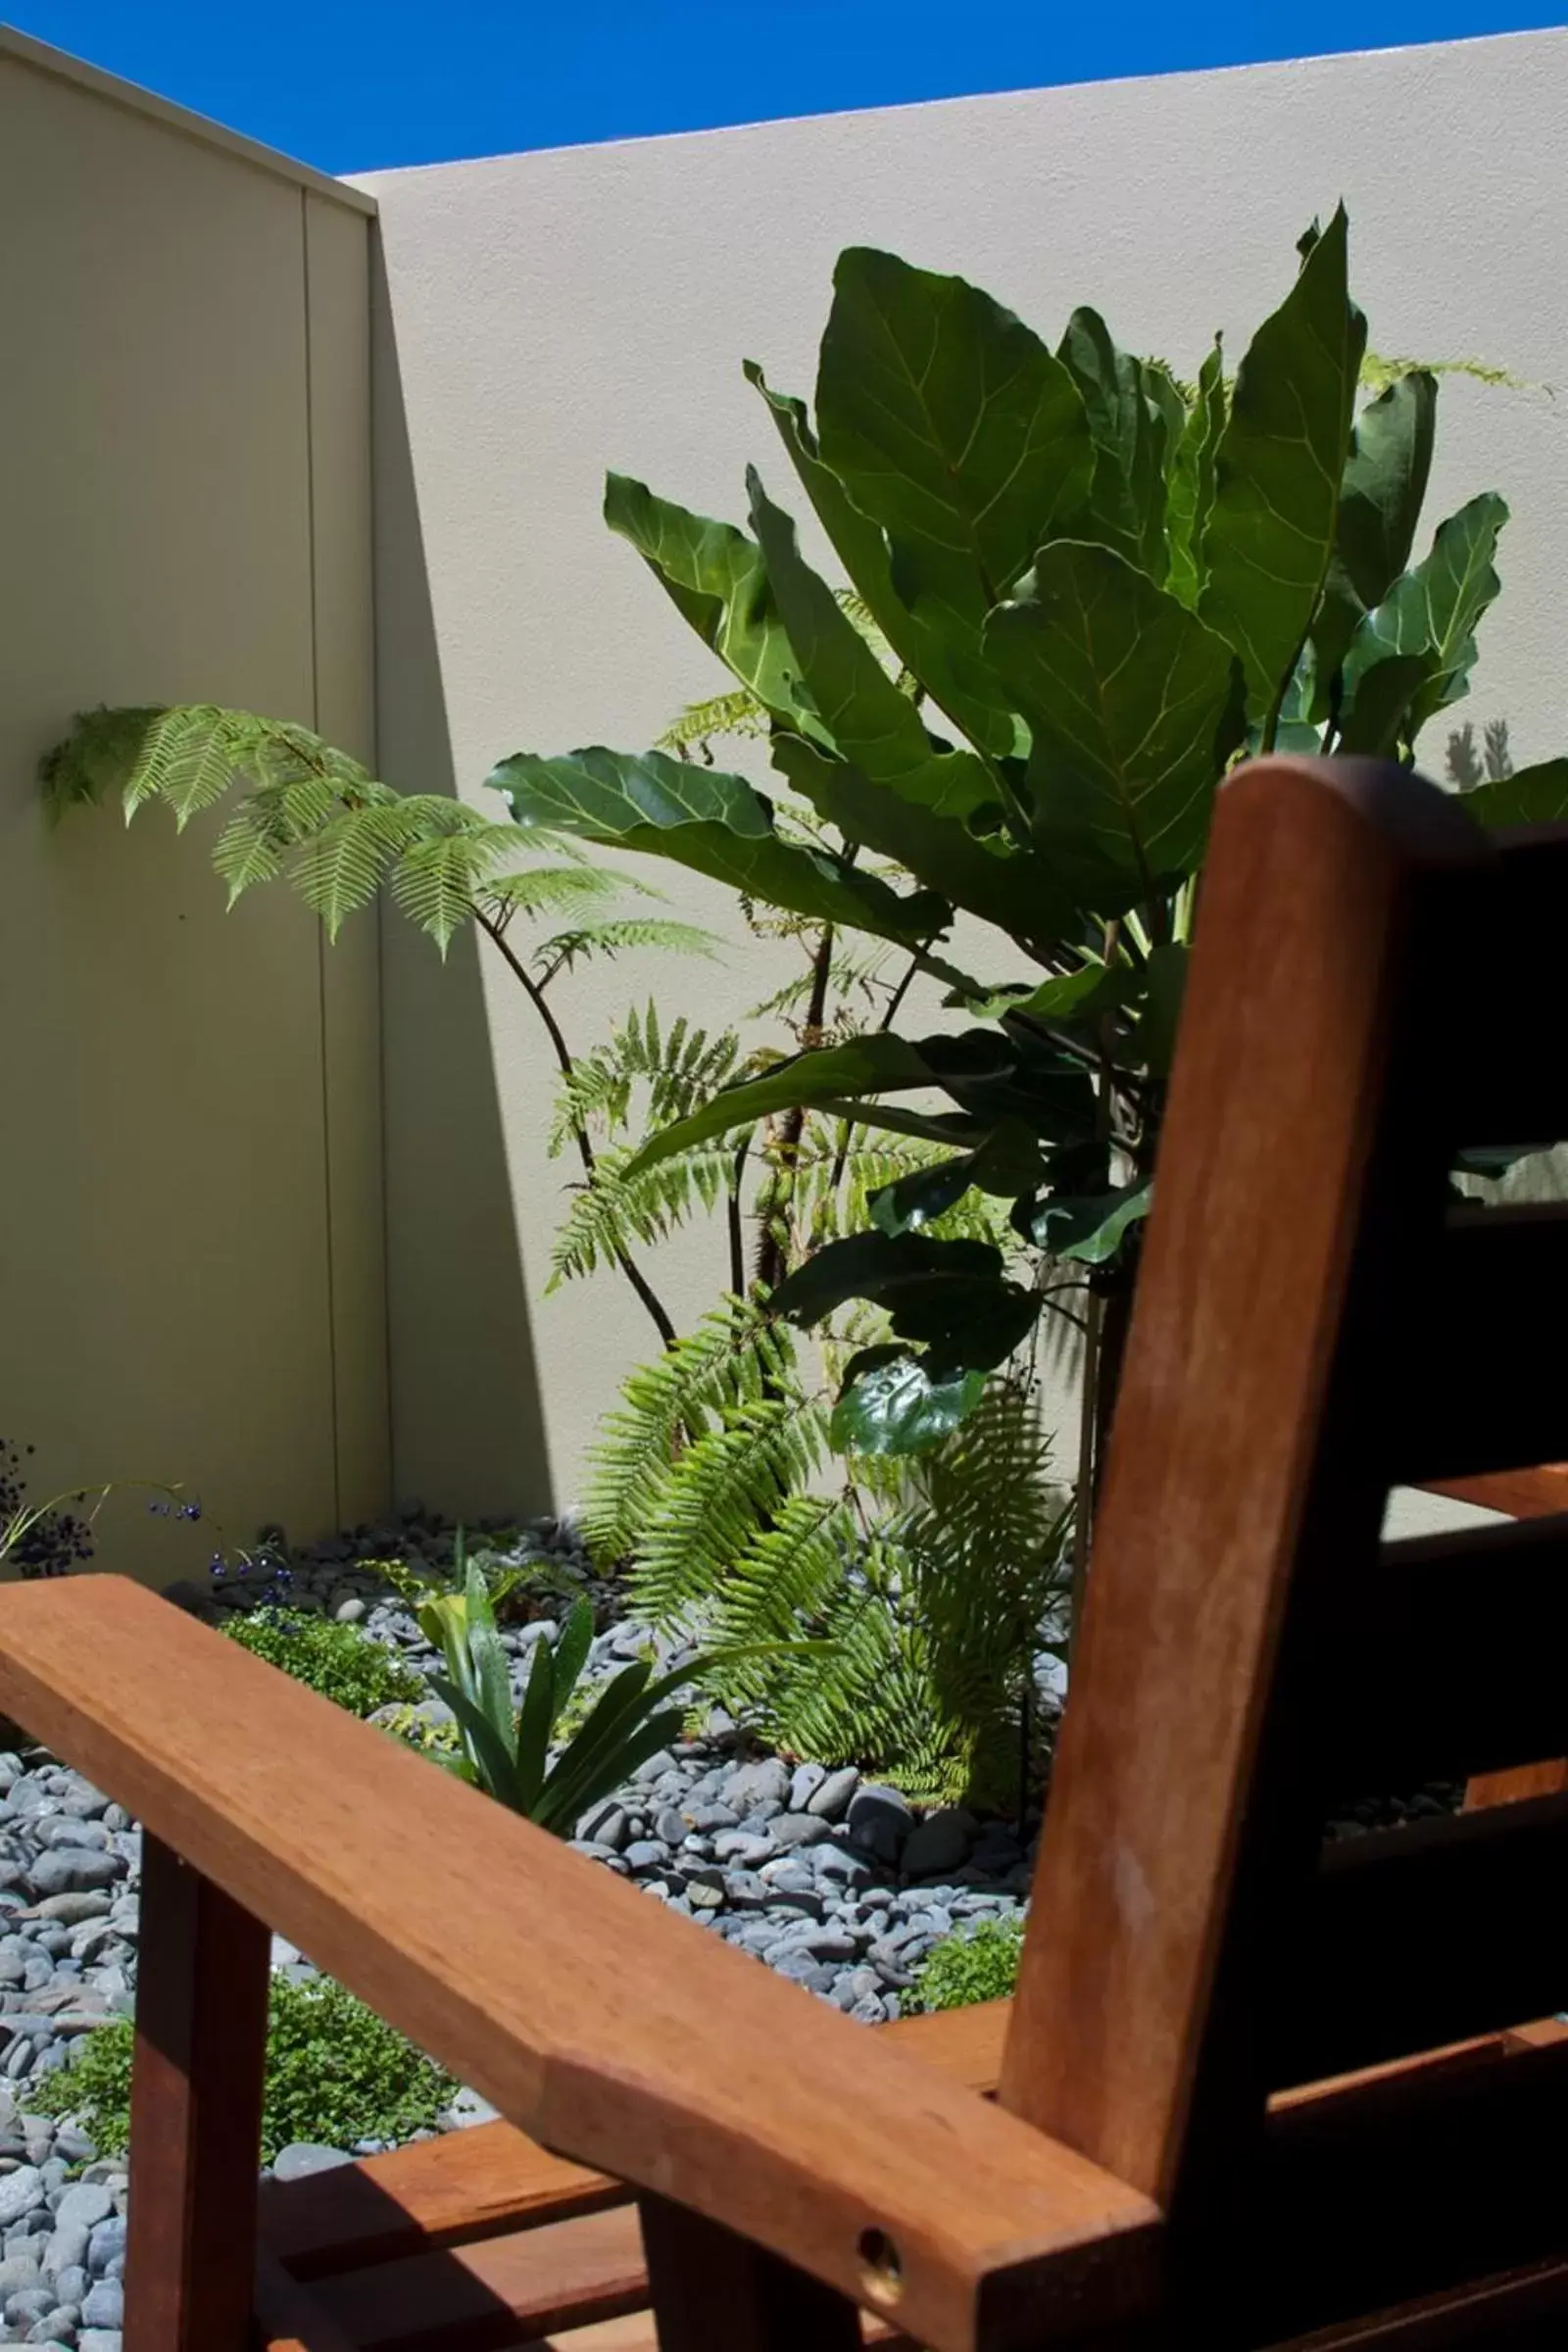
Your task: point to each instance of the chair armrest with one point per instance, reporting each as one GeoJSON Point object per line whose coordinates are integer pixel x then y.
{"type": "Point", "coordinates": [605, 2027]}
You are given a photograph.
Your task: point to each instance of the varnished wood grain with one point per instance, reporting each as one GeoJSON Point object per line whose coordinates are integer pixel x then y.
{"type": "Point", "coordinates": [489, 2296]}
{"type": "Point", "coordinates": [1228, 1449]}
{"type": "Point", "coordinates": [610, 2031]}
{"type": "Point", "coordinates": [195, 2113]}
{"type": "Point", "coordinates": [1517, 1493]}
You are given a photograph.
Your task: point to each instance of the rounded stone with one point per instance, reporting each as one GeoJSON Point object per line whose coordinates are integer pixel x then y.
{"type": "Point", "coordinates": [302, 2157]}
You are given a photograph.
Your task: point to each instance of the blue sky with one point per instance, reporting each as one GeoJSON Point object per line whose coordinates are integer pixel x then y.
{"type": "Point", "coordinates": [355, 86]}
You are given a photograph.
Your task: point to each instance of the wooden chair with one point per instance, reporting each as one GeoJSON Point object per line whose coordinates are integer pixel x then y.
{"type": "Point", "coordinates": [1255, 2088]}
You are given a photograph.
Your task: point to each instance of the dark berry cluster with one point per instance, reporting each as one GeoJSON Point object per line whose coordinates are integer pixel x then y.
{"type": "Point", "coordinates": [53, 1543]}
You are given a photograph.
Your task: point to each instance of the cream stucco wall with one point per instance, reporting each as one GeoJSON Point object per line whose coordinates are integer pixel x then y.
{"type": "Point", "coordinates": [191, 1262]}
{"type": "Point", "coordinates": [547, 314]}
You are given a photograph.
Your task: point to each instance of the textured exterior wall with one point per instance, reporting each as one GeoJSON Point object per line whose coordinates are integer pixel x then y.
{"type": "Point", "coordinates": [553, 314]}
{"type": "Point", "coordinates": [191, 1260]}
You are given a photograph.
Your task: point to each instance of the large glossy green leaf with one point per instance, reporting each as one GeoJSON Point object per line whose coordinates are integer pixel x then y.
{"type": "Point", "coordinates": [890, 1404]}
{"type": "Point", "coordinates": [1380, 506]}
{"type": "Point", "coordinates": [1130, 429]}
{"type": "Point", "coordinates": [1019, 892]}
{"type": "Point", "coordinates": [1430, 616]}
{"type": "Point", "coordinates": [1075, 998]}
{"type": "Point", "coordinates": [1093, 1229]}
{"type": "Point", "coordinates": [1134, 708]}
{"type": "Point", "coordinates": [1005, 1165]}
{"type": "Point", "coordinates": [950, 422]}
{"type": "Point", "coordinates": [1281, 460]}
{"type": "Point", "coordinates": [946, 660]}
{"type": "Point", "coordinates": [878, 1065]}
{"type": "Point", "coordinates": [710, 820]}
{"type": "Point", "coordinates": [862, 712]}
{"type": "Point", "coordinates": [1191, 491]}
{"type": "Point", "coordinates": [1385, 482]}
{"type": "Point", "coordinates": [950, 1297]}
{"type": "Point", "coordinates": [1532, 796]}
{"type": "Point", "coordinates": [717, 579]}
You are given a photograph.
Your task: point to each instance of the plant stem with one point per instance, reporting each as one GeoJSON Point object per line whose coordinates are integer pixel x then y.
{"type": "Point", "coordinates": [580, 1136]}
{"type": "Point", "coordinates": [890, 1015]}
{"type": "Point", "coordinates": [737, 1233]}
{"type": "Point", "coordinates": [1089, 1409]}
{"type": "Point", "coordinates": [770, 1252]}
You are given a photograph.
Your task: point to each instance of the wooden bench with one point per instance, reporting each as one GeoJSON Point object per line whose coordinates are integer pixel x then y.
{"type": "Point", "coordinates": [1254, 2090]}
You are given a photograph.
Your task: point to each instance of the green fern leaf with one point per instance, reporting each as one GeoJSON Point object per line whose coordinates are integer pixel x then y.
{"type": "Point", "coordinates": [732, 1481]}
{"type": "Point", "coordinates": [614, 1212]}
{"type": "Point", "coordinates": [546, 889]}
{"type": "Point", "coordinates": [436, 880]}
{"type": "Point", "coordinates": [339, 869]}
{"type": "Point", "coordinates": [611, 939]}
{"type": "Point", "coordinates": [734, 1356]}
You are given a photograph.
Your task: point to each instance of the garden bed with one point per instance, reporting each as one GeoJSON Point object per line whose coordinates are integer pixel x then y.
{"type": "Point", "coordinates": [836, 1883]}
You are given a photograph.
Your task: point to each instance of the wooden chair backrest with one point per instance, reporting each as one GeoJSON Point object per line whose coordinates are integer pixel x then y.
{"type": "Point", "coordinates": [1316, 1323]}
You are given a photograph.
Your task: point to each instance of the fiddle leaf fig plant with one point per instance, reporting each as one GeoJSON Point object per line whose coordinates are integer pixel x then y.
{"type": "Point", "coordinates": [1086, 588]}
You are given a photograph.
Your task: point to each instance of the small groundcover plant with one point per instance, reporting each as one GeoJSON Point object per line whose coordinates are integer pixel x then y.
{"type": "Point", "coordinates": [979, 1963]}
{"type": "Point", "coordinates": [343, 1665]}
{"type": "Point", "coordinates": [336, 2074]}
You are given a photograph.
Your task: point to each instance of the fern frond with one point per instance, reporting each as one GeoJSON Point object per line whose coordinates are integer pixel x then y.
{"type": "Point", "coordinates": [615, 1211]}
{"type": "Point", "coordinates": [340, 869]}
{"type": "Point", "coordinates": [853, 968]}
{"type": "Point", "coordinates": [546, 889]}
{"type": "Point", "coordinates": [730, 1483]}
{"type": "Point", "coordinates": [736, 713]}
{"type": "Point", "coordinates": [435, 881]}
{"type": "Point", "coordinates": [612, 939]}
{"type": "Point", "coordinates": [1379, 371]}
{"type": "Point", "coordinates": [190, 754]}
{"type": "Point", "coordinates": [678, 1070]}
{"type": "Point", "coordinates": [734, 1358]}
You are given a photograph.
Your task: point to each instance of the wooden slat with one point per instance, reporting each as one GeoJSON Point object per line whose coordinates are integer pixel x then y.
{"type": "Point", "coordinates": [605, 2025]}
{"type": "Point", "coordinates": [195, 2113]}
{"type": "Point", "coordinates": [1478, 1388]}
{"type": "Point", "coordinates": [489, 2298]}
{"type": "Point", "coordinates": [1523, 2311]}
{"type": "Point", "coordinates": [1447, 1661]}
{"type": "Point", "coordinates": [492, 2179]}
{"type": "Point", "coordinates": [1421, 1935]}
{"type": "Point", "coordinates": [1244, 1433]}
{"type": "Point", "coordinates": [1410, 2183]}
{"type": "Point", "coordinates": [438, 2192]}
{"type": "Point", "coordinates": [1517, 1493]}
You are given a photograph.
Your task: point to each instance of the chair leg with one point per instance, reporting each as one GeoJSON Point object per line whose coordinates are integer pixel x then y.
{"type": "Point", "coordinates": [195, 2113]}
{"type": "Point", "coordinates": [712, 2291]}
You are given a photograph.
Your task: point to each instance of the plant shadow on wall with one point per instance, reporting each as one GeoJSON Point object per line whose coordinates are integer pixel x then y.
{"type": "Point", "coordinates": [1079, 589]}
